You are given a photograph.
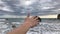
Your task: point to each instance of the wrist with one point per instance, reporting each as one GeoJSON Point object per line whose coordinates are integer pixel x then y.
{"type": "Point", "coordinates": [27, 25]}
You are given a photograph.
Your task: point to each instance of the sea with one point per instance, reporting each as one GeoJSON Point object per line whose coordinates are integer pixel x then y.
{"type": "Point", "coordinates": [46, 26]}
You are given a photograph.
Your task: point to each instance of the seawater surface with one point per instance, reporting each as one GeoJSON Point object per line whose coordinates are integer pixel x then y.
{"type": "Point", "coordinates": [46, 26]}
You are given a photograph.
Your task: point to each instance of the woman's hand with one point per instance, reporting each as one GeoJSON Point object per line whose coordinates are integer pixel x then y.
{"type": "Point", "coordinates": [33, 21]}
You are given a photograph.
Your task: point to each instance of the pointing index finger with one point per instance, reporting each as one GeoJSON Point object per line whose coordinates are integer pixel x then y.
{"type": "Point", "coordinates": [28, 15]}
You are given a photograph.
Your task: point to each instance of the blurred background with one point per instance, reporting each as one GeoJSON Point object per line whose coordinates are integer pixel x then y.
{"type": "Point", "coordinates": [12, 10]}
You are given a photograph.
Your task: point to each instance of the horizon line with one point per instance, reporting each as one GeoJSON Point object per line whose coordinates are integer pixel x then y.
{"type": "Point", "coordinates": [43, 16]}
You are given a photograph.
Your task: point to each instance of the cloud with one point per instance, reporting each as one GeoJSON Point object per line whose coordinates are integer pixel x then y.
{"type": "Point", "coordinates": [5, 7]}
{"type": "Point", "coordinates": [9, 16]}
{"type": "Point", "coordinates": [22, 12]}
{"type": "Point", "coordinates": [44, 1]}
{"type": "Point", "coordinates": [47, 8]}
{"type": "Point", "coordinates": [36, 7]}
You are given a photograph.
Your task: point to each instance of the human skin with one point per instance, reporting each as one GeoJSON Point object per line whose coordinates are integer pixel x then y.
{"type": "Point", "coordinates": [28, 23]}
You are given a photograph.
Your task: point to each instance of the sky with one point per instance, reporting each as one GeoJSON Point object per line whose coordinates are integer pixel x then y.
{"type": "Point", "coordinates": [35, 7]}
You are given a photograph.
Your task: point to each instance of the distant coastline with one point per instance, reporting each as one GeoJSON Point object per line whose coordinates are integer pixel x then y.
{"type": "Point", "coordinates": [13, 16]}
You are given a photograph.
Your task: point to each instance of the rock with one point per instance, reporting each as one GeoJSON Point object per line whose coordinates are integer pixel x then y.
{"type": "Point", "coordinates": [58, 17]}
{"type": "Point", "coordinates": [13, 26]}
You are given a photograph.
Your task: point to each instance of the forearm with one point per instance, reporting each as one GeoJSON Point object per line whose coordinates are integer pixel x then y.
{"type": "Point", "coordinates": [21, 30]}
{"type": "Point", "coordinates": [29, 22]}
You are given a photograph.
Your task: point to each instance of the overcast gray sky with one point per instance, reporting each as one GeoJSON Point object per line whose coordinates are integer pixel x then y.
{"type": "Point", "coordinates": [35, 7]}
